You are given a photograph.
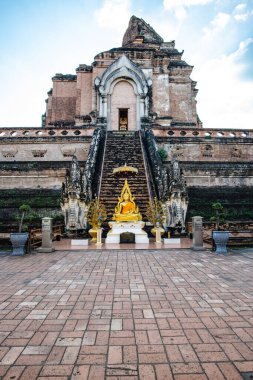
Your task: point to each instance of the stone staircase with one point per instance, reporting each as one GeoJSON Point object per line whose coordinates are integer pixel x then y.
{"type": "Point", "coordinates": [121, 148]}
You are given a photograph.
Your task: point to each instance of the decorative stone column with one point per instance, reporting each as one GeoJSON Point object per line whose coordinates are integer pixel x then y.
{"type": "Point", "coordinates": [47, 243]}
{"type": "Point", "coordinates": [197, 231]}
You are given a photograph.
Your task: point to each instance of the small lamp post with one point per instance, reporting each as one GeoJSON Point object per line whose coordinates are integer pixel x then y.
{"type": "Point", "coordinates": [158, 230]}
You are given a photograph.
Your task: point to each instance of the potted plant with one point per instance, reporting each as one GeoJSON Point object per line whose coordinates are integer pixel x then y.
{"type": "Point", "coordinates": [19, 239]}
{"type": "Point", "coordinates": [155, 215]}
{"type": "Point", "coordinates": [97, 215]}
{"type": "Point", "coordinates": [219, 236]}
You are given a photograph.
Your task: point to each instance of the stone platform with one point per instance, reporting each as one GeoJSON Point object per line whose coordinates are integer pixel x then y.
{"type": "Point", "coordinates": [65, 244]}
{"type": "Point", "coordinates": [147, 315]}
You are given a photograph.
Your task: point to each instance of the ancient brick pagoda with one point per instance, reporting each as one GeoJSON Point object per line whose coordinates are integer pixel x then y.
{"type": "Point", "coordinates": [124, 107]}
{"type": "Point", "coordinates": [145, 78]}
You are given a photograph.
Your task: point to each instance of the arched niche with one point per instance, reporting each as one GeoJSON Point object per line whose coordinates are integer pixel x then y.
{"type": "Point", "coordinates": [122, 105]}
{"type": "Point", "coordinates": [123, 74]}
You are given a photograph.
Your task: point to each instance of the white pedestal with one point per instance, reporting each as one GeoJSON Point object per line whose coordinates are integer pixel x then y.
{"type": "Point", "coordinates": [113, 236]}
{"type": "Point", "coordinates": [79, 242]}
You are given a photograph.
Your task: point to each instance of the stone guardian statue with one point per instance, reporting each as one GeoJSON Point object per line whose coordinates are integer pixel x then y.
{"type": "Point", "coordinates": [176, 204]}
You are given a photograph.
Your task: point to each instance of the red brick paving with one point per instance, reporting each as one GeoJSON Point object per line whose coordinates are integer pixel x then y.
{"type": "Point", "coordinates": [145, 315]}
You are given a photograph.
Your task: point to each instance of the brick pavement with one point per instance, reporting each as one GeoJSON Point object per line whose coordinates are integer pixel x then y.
{"type": "Point", "coordinates": [124, 315]}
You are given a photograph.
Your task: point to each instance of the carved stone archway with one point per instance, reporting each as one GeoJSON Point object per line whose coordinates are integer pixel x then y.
{"type": "Point", "coordinates": [123, 69]}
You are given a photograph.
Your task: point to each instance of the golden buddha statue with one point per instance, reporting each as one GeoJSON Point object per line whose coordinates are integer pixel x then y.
{"type": "Point", "coordinates": [126, 210]}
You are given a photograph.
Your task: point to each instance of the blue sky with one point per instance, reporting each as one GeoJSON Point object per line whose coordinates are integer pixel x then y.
{"type": "Point", "coordinates": [43, 37]}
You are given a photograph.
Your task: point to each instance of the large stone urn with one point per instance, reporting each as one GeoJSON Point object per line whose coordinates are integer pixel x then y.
{"type": "Point", "coordinates": [220, 239]}
{"type": "Point", "coordinates": [18, 241]}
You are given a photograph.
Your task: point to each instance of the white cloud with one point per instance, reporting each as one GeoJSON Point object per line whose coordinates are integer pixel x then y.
{"type": "Point", "coordinates": [241, 17]}
{"type": "Point", "coordinates": [180, 13]}
{"type": "Point", "coordinates": [114, 14]}
{"type": "Point", "coordinates": [241, 13]}
{"type": "Point", "coordinates": [240, 7]}
{"type": "Point", "coordinates": [225, 100]}
{"type": "Point", "coordinates": [219, 23]}
{"type": "Point", "coordinates": [179, 6]}
{"type": "Point", "coordinates": [242, 49]}
{"type": "Point", "coordinates": [222, 19]}
{"type": "Point", "coordinates": [170, 4]}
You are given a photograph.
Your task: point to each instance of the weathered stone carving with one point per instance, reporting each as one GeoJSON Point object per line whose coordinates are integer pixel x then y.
{"type": "Point", "coordinates": [9, 152]}
{"type": "Point", "coordinates": [68, 151]}
{"type": "Point", "coordinates": [207, 151]}
{"type": "Point", "coordinates": [175, 207]}
{"type": "Point", "coordinates": [122, 68]}
{"type": "Point", "coordinates": [235, 152]}
{"type": "Point", "coordinates": [170, 185]}
{"type": "Point", "coordinates": [77, 190]}
{"type": "Point", "coordinates": [158, 171]}
{"type": "Point", "coordinates": [39, 152]}
{"type": "Point", "coordinates": [73, 203]}
{"type": "Point", "coordinates": [178, 151]}
{"type": "Point", "coordinates": [89, 188]}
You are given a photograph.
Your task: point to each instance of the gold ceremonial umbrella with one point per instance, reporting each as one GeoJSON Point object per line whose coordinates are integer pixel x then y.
{"type": "Point", "coordinates": [125, 171]}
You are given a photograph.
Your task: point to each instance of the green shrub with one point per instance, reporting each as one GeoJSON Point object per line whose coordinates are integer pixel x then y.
{"type": "Point", "coordinates": [219, 215]}
{"type": "Point", "coordinates": [163, 154]}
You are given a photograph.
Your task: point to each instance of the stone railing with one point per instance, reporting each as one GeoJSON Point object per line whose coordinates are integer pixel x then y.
{"type": "Point", "coordinates": [159, 174]}
{"type": "Point", "coordinates": [202, 133]}
{"type": "Point", "coordinates": [74, 131]}
{"type": "Point", "coordinates": [94, 161]}
{"type": "Point", "coordinates": [31, 132]}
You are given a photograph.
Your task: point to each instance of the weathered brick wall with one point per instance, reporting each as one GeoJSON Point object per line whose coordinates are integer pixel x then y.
{"type": "Point", "coordinates": [232, 176]}
{"type": "Point", "coordinates": [49, 109]}
{"type": "Point", "coordinates": [210, 151]}
{"type": "Point", "coordinates": [34, 164]}
{"type": "Point", "coordinates": [32, 179]}
{"type": "Point", "coordinates": [214, 162]}
{"type": "Point", "coordinates": [63, 100]}
{"type": "Point", "coordinates": [181, 102]}
{"type": "Point", "coordinates": [35, 151]}
{"type": "Point", "coordinates": [84, 93]}
{"type": "Point", "coordinates": [160, 92]}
